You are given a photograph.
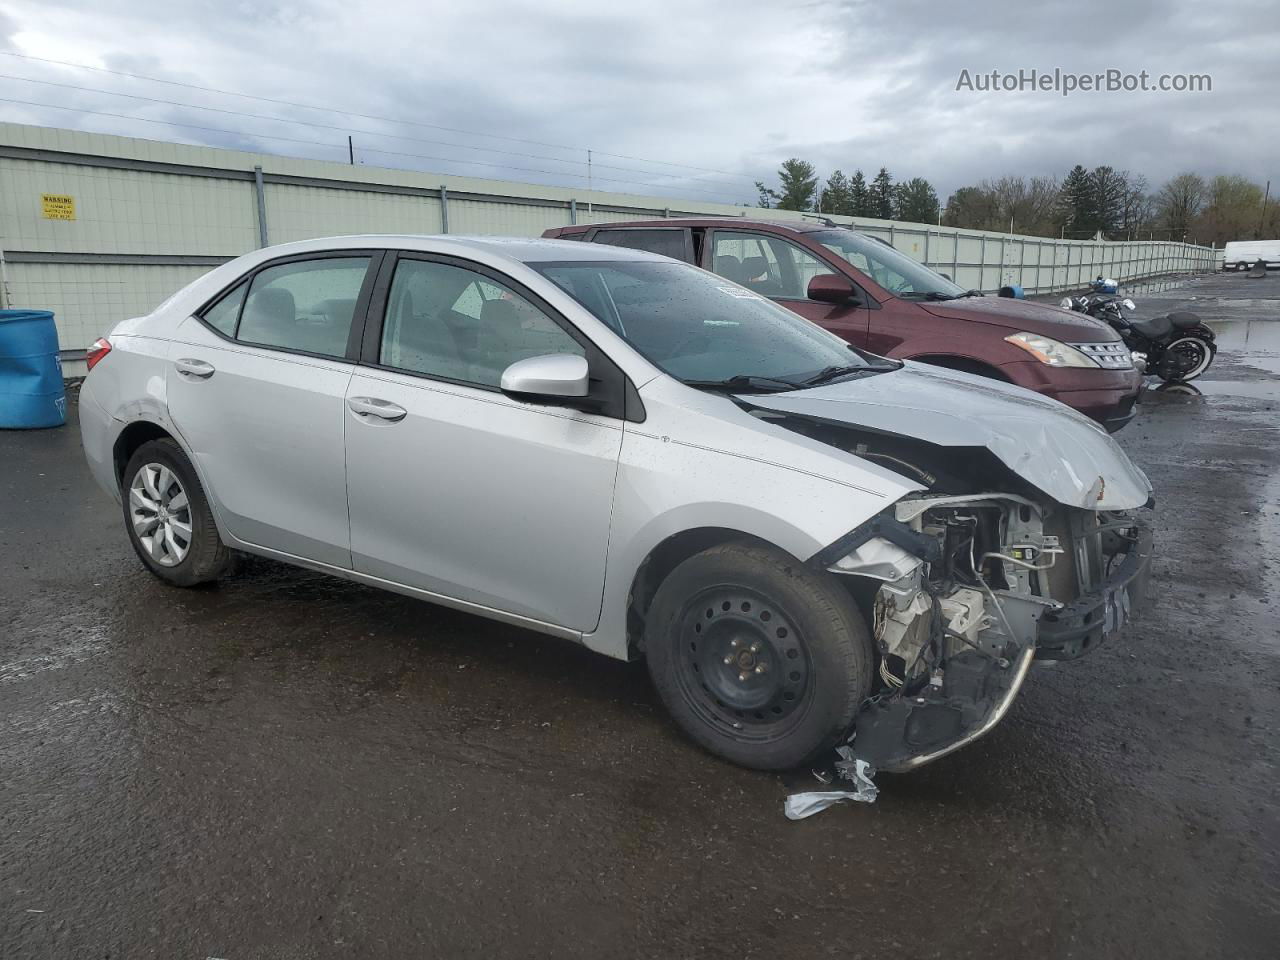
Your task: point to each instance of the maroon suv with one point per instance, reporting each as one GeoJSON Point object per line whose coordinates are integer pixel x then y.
{"type": "Point", "coordinates": [883, 301]}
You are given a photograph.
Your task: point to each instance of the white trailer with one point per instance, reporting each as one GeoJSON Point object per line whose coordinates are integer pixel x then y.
{"type": "Point", "coordinates": [1243, 254]}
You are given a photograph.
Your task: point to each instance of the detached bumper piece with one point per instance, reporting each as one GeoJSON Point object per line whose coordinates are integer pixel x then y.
{"type": "Point", "coordinates": [1079, 627]}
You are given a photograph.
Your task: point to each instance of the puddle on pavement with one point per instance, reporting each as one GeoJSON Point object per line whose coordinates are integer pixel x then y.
{"type": "Point", "coordinates": [1185, 392]}
{"type": "Point", "coordinates": [1253, 342]}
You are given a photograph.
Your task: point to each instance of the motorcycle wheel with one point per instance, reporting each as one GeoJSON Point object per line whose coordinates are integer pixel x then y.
{"type": "Point", "coordinates": [1193, 356]}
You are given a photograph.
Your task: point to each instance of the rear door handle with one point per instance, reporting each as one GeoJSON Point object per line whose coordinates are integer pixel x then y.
{"type": "Point", "coordinates": [373, 407]}
{"type": "Point", "coordinates": [189, 367]}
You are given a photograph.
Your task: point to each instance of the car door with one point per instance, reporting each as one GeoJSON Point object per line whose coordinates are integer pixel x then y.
{"type": "Point", "coordinates": [781, 271]}
{"type": "Point", "coordinates": [457, 488]}
{"type": "Point", "coordinates": [256, 385]}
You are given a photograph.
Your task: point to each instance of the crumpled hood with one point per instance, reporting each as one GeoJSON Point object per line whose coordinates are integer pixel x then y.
{"type": "Point", "coordinates": [1051, 446]}
{"type": "Point", "coordinates": [1025, 316]}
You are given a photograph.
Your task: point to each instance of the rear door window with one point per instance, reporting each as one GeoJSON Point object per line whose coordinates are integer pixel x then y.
{"type": "Point", "coordinates": [670, 242]}
{"type": "Point", "coordinates": [304, 305]}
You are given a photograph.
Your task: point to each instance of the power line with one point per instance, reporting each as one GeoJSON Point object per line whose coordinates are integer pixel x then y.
{"type": "Point", "coordinates": [334, 146]}
{"type": "Point", "coordinates": [366, 116]}
{"type": "Point", "coordinates": [326, 126]}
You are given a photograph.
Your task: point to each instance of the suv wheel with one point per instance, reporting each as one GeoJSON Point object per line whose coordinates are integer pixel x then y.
{"type": "Point", "coordinates": [168, 518]}
{"type": "Point", "coordinates": [759, 659]}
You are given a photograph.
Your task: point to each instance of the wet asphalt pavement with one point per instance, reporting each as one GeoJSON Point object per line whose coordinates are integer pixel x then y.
{"type": "Point", "coordinates": [287, 766]}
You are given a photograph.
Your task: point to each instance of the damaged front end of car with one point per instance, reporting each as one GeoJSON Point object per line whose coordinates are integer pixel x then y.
{"type": "Point", "coordinates": [972, 589]}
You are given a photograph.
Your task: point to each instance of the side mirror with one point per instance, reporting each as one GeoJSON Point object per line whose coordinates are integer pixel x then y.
{"type": "Point", "coordinates": [831, 288]}
{"type": "Point", "coordinates": [945, 276]}
{"type": "Point", "coordinates": [558, 376]}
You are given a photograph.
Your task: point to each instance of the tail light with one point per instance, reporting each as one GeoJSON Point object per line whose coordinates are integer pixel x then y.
{"type": "Point", "coordinates": [101, 347]}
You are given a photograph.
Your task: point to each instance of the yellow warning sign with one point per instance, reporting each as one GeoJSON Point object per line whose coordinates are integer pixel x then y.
{"type": "Point", "coordinates": [58, 206]}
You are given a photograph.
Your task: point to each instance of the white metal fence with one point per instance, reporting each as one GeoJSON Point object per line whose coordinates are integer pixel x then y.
{"type": "Point", "coordinates": [100, 228]}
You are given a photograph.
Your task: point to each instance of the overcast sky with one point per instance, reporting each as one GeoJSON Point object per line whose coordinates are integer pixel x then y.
{"type": "Point", "coordinates": [731, 87]}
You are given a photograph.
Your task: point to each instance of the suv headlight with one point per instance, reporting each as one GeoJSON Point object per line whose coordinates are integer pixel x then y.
{"type": "Point", "coordinates": [1052, 352]}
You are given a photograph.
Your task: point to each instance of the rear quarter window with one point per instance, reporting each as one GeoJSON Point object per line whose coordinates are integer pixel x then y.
{"type": "Point", "coordinates": [668, 243]}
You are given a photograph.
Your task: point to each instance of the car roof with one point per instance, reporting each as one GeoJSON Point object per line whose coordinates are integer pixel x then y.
{"type": "Point", "coordinates": [518, 249]}
{"type": "Point", "coordinates": [792, 226]}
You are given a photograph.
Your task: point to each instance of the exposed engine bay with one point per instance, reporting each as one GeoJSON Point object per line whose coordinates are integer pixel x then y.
{"type": "Point", "coordinates": [972, 589]}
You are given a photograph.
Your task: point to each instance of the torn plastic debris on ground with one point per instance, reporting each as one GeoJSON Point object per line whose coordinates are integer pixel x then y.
{"type": "Point", "coordinates": [848, 767]}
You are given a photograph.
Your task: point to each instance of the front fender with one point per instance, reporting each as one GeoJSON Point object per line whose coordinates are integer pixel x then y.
{"type": "Point", "coordinates": [666, 487]}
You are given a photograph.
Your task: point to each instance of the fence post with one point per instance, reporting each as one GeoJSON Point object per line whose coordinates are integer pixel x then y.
{"type": "Point", "coordinates": [261, 193]}
{"type": "Point", "coordinates": [955, 257]}
{"type": "Point", "coordinates": [573, 211]}
{"type": "Point", "coordinates": [982, 261]}
{"type": "Point", "coordinates": [444, 209]}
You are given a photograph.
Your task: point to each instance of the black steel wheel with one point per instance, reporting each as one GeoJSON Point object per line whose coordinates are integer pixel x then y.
{"type": "Point", "coordinates": [745, 663]}
{"type": "Point", "coordinates": [759, 659]}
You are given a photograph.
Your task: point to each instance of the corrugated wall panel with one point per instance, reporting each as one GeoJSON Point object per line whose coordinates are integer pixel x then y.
{"type": "Point", "coordinates": [125, 211]}
{"type": "Point", "coordinates": [497, 218]}
{"type": "Point", "coordinates": [89, 299]}
{"type": "Point", "coordinates": [300, 213]}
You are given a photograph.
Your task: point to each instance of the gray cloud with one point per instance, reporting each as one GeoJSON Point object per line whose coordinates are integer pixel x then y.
{"type": "Point", "coordinates": [735, 87]}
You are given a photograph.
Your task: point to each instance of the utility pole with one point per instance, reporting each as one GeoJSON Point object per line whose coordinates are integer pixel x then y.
{"type": "Point", "coordinates": [589, 181]}
{"type": "Point", "coordinates": [351, 151]}
{"type": "Point", "coordinates": [1262, 220]}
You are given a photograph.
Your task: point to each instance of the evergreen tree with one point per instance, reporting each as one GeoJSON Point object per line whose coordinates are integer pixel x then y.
{"type": "Point", "coordinates": [859, 195]}
{"type": "Point", "coordinates": [799, 183]}
{"type": "Point", "coordinates": [917, 201]}
{"type": "Point", "coordinates": [1075, 200]}
{"type": "Point", "coordinates": [882, 195]}
{"type": "Point", "coordinates": [836, 197]}
{"type": "Point", "coordinates": [1107, 188]}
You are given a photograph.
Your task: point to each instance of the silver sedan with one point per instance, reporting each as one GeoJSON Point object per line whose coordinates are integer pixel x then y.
{"type": "Point", "coordinates": [811, 546]}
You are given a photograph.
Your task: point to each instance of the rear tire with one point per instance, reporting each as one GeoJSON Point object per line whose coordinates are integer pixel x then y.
{"type": "Point", "coordinates": [759, 659]}
{"type": "Point", "coordinates": [168, 519]}
{"type": "Point", "coordinates": [1188, 344]}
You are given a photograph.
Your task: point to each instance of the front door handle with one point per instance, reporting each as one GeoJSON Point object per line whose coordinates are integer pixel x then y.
{"type": "Point", "coordinates": [189, 367]}
{"type": "Point", "coordinates": [373, 407]}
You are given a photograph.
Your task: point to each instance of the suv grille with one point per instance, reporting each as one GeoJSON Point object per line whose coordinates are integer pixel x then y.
{"type": "Point", "coordinates": [1113, 355]}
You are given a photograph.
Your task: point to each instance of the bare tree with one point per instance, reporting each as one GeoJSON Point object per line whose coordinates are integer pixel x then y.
{"type": "Point", "coordinates": [1179, 202]}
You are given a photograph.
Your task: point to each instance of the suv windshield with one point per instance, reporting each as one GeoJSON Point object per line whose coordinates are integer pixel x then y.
{"type": "Point", "coordinates": [894, 271]}
{"type": "Point", "coordinates": [706, 331]}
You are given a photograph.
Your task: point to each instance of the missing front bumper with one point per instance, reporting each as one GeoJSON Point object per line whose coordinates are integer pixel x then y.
{"type": "Point", "coordinates": [1081, 626]}
{"type": "Point", "coordinates": [974, 691]}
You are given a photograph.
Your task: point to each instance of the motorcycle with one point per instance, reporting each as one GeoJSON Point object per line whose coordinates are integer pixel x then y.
{"type": "Point", "coordinates": [1176, 347]}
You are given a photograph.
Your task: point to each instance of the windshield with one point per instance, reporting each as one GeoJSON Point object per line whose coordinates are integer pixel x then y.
{"type": "Point", "coordinates": [894, 271]}
{"type": "Point", "coordinates": [703, 329]}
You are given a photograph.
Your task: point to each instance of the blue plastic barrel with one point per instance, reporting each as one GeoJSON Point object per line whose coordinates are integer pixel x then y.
{"type": "Point", "coordinates": [31, 392]}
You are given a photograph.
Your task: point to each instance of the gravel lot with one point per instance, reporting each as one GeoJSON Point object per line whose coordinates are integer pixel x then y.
{"type": "Point", "coordinates": [290, 766]}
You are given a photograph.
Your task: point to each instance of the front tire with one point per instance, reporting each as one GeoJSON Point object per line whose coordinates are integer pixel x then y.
{"type": "Point", "coordinates": [759, 659]}
{"type": "Point", "coordinates": [168, 518]}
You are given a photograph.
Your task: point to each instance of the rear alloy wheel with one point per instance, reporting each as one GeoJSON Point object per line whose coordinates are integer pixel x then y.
{"type": "Point", "coordinates": [1185, 359]}
{"type": "Point", "coordinates": [759, 659]}
{"type": "Point", "coordinates": [161, 513]}
{"type": "Point", "coordinates": [168, 518]}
